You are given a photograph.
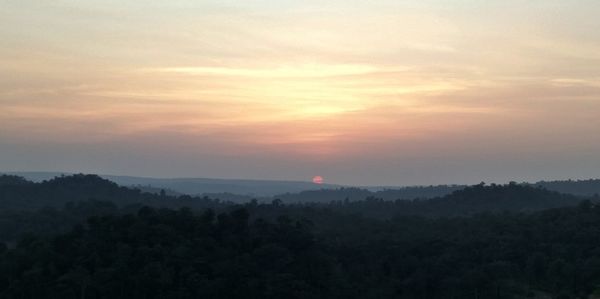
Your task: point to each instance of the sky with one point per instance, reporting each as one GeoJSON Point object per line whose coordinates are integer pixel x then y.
{"type": "Point", "coordinates": [358, 92]}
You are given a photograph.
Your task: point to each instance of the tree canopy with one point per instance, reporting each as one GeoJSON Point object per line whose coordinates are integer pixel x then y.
{"type": "Point", "coordinates": [486, 241]}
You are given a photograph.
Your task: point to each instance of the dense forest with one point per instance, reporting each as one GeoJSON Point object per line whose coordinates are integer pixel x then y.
{"type": "Point", "coordinates": [85, 237]}
{"type": "Point", "coordinates": [353, 194]}
{"type": "Point", "coordinates": [573, 187]}
{"type": "Point", "coordinates": [576, 187]}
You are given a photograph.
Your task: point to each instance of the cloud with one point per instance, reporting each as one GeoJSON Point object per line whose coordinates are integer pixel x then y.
{"type": "Point", "coordinates": [300, 71]}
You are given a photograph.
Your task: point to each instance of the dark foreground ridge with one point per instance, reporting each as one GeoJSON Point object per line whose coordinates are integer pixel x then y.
{"type": "Point", "coordinates": [181, 254]}
{"type": "Point", "coordinates": [106, 241]}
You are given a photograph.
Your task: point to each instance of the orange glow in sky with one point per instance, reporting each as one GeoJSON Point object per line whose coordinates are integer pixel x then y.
{"type": "Point", "coordinates": [405, 91]}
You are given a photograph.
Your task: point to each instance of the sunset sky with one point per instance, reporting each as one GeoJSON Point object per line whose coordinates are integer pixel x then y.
{"type": "Point", "coordinates": [359, 92]}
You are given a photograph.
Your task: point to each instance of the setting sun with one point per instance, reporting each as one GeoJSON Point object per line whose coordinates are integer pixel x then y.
{"type": "Point", "coordinates": [318, 180]}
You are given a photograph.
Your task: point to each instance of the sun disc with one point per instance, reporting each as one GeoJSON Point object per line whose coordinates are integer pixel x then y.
{"type": "Point", "coordinates": [318, 180]}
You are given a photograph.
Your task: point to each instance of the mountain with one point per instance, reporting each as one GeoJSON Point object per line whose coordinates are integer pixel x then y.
{"type": "Point", "coordinates": [56, 204]}
{"type": "Point", "coordinates": [296, 191]}
{"type": "Point", "coordinates": [198, 186]}
{"type": "Point", "coordinates": [238, 190]}
{"type": "Point", "coordinates": [18, 194]}
{"type": "Point", "coordinates": [495, 198]}
{"type": "Point", "coordinates": [354, 194]}
{"type": "Point", "coordinates": [578, 187]}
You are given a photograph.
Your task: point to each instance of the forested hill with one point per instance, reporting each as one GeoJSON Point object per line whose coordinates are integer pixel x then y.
{"type": "Point", "coordinates": [482, 198]}
{"type": "Point", "coordinates": [57, 204]}
{"type": "Point", "coordinates": [353, 194]}
{"type": "Point", "coordinates": [468, 201]}
{"type": "Point", "coordinates": [196, 186]}
{"type": "Point", "coordinates": [579, 188]}
{"type": "Point", "coordinates": [576, 187]}
{"type": "Point", "coordinates": [245, 190]}
{"type": "Point", "coordinates": [327, 195]}
{"type": "Point", "coordinates": [17, 193]}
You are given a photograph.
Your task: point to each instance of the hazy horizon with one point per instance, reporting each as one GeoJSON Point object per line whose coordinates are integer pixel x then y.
{"type": "Point", "coordinates": [389, 93]}
{"type": "Point", "coordinates": [51, 174]}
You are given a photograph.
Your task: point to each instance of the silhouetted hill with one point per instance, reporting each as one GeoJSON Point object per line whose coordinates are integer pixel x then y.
{"type": "Point", "coordinates": [292, 191]}
{"type": "Point", "coordinates": [8, 180]}
{"type": "Point", "coordinates": [325, 196]}
{"type": "Point", "coordinates": [19, 194]}
{"type": "Point", "coordinates": [496, 198]}
{"type": "Point", "coordinates": [60, 190]}
{"type": "Point", "coordinates": [154, 190]}
{"type": "Point", "coordinates": [55, 205]}
{"type": "Point", "coordinates": [578, 187]}
{"type": "Point", "coordinates": [413, 192]}
{"type": "Point", "coordinates": [469, 201]}
{"type": "Point", "coordinates": [586, 188]}
{"type": "Point", "coordinates": [354, 194]}
{"type": "Point", "coordinates": [264, 190]}
{"type": "Point", "coordinates": [199, 186]}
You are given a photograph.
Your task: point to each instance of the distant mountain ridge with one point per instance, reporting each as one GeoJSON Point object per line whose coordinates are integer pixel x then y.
{"type": "Point", "coordinates": [198, 186]}
{"type": "Point", "coordinates": [242, 190]}
{"type": "Point", "coordinates": [589, 187]}
{"type": "Point", "coordinates": [19, 194]}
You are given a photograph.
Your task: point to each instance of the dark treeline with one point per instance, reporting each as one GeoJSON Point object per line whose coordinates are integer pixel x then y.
{"type": "Point", "coordinates": [576, 187]}
{"type": "Point", "coordinates": [354, 194]}
{"type": "Point", "coordinates": [468, 201]}
{"type": "Point", "coordinates": [84, 237]}
{"type": "Point", "coordinates": [19, 194]}
{"type": "Point", "coordinates": [342, 193]}
{"type": "Point", "coordinates": [180, 254]}
{"type": "Point", "coordinates": [56, 205]}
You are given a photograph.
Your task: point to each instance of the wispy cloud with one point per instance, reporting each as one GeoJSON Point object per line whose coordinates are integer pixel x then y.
{"type": "Point", "coordinates": [299, 71]}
